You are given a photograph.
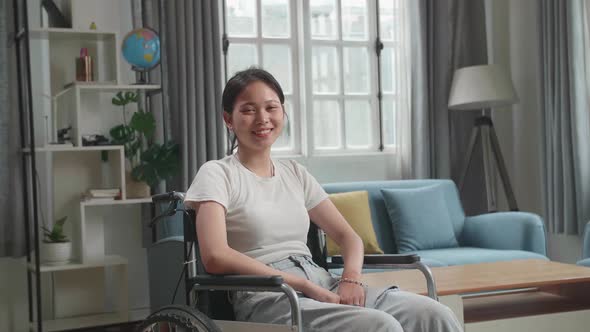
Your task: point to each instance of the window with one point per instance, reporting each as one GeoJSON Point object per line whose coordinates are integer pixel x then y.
{"type": "Point", "coordinates": [324, 55]}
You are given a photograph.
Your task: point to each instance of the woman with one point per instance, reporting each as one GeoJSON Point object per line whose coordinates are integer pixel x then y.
{"type": "Point", "coordinates": [253, 217]}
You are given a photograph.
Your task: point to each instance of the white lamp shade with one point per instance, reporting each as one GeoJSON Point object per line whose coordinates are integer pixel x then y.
{"type": "Point", "coordinates": [478, 87]}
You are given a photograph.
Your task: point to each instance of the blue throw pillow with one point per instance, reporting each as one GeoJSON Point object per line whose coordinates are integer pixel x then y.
{"type": "Point", "coordinates": [420, 218]}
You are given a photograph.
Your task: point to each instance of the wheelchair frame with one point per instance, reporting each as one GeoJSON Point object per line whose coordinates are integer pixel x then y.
{"type": "Point", "coordinates": [195, 282]}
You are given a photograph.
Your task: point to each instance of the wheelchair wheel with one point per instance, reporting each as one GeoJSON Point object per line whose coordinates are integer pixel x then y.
{"type": "Point", "coordinates": [177, 318]}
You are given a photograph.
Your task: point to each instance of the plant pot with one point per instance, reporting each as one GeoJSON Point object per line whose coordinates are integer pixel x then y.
{"type": "Point", "coordinates": [136, 189]}
{"type": "Point", "coordinates": [56, 253]}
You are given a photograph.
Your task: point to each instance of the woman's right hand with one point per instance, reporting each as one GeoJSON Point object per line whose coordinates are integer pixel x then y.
{"type": "Point", "coordinates": [320, 294]}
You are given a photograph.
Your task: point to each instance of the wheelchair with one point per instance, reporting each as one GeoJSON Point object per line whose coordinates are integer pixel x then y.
{"type": "Point", "coordinates": [207, 306]}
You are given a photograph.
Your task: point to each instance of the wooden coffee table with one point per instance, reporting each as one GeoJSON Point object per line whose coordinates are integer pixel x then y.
{"type": "Point", "coordinates": [521, 295]}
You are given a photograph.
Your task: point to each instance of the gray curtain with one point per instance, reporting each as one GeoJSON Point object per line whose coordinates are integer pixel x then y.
{"type": "Point", "coordinates": [450, 34]}
{"type": "Point", "coordinates": [12, 221]}
{"type": "Point", "coordinates": [191, 79]}
{"type": "Point", "coordinates": [565, 119]}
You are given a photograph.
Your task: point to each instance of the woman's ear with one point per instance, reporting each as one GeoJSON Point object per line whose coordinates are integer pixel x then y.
{"type": "Point", "coordinates": [227, 119]}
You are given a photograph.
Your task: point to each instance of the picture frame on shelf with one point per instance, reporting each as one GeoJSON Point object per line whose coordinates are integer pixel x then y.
{"type": "Point", "coordinates": [54, 16]}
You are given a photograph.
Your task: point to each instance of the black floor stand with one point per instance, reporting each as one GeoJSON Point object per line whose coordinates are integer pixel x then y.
{"type": "Point", "coordinates": [484, 129]}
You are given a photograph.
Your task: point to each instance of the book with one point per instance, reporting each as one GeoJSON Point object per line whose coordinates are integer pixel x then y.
{"type": "Point", "coordinates": [98, 199]}
{"type": "Point", "coordinates": [95, 193]}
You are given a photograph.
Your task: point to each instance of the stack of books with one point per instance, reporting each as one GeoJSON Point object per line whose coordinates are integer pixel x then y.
{"type": "Point", "coordinates": [103, 194]}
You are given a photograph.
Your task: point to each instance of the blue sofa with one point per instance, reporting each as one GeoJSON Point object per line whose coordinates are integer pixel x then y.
{"type": "Point", "coordinates": [586, 247]}
{"type": "Point", "coordinates": [488, 237]}
{"type": "Point", "coordinates": [485, 238]}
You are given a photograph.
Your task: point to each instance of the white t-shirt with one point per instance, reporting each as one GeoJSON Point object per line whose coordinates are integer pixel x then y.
{"type": "Point", "coordinates": [266, 218]}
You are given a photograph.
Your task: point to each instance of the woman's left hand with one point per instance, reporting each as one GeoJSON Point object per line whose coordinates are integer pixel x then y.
{"type": "Point", "coordinates": [351, 294]}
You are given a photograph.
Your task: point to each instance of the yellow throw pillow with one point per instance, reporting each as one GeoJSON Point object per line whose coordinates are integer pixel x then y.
{"type": "Point", "coordinates": [354, 206]}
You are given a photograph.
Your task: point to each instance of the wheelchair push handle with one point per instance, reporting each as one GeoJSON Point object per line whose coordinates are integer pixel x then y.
{"type": "Point", "coordinates": [173, 197]}
{"type": "Point", "coordinates": [169, 196]}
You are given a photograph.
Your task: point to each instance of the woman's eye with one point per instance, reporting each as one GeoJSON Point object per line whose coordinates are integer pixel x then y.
{"type": "Point", "coordinates": [248, 110]}
{"type": "Point", "coordinates": [271, 108]}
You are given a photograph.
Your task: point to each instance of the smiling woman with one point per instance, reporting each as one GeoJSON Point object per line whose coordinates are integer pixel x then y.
{"type": "Point", "coordinates": [259, 112]}
{"type": "Point", "coordinates": [253, 217]}
{"type": "Point", "coordinates": [254, 114]}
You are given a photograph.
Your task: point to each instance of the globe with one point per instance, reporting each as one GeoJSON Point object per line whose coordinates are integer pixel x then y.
{"type": "Point", "coordinates": [141, 49]}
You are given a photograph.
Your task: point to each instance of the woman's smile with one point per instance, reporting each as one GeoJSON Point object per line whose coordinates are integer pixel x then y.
{"type": "Point", "coordinates": [263, 133]}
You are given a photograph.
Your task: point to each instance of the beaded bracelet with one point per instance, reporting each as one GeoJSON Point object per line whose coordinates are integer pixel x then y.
{"type": "Point", "coordinates": [352, 281]}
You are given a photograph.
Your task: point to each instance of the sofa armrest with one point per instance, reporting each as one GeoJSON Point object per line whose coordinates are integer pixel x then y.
{"type": "Point", "coordinates": [586, 244]}
{"type": "Point", "coordinates": [505, 230]}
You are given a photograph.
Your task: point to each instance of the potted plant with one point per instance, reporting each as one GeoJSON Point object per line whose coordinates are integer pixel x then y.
{"type": "Point", "coordinates": [147, 161]}
{"type": "Point", "coordinates": [56, 248]}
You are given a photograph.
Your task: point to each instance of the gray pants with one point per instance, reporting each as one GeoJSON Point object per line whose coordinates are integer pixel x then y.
{"type": "Point", "coordinates": [386, 309]}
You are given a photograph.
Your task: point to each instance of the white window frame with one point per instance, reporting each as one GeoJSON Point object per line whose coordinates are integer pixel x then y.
{"type": "Point", "coordinates": [294, 98]}
{"type": "Point", "coordinates": [302, 97]}
{"type": "Point", "coordinates": [371, 96]}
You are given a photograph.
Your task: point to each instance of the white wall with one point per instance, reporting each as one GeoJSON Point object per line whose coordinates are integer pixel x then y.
{"type": "Point", "coordinates": [513, 42]}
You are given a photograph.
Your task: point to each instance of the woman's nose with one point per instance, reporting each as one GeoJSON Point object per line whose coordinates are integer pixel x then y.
{"type": "Point", "coordinates": [261, 117]}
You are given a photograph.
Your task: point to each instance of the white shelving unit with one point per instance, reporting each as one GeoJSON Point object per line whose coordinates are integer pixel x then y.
{"type": "Point", "coordinates": [107, 260]}
{"type": "Point", "coordinates": [69, 34]}
{"type": "Point", "coordinates": [112, 88]}
{"type": "Point", "coordinates": [64, 47]}
{"type": "Point", "coordinates": [82, 163]}
{"type": "Point", "coordinates": [116, 202]}
{"type": "Point", "coordinates": [78, 289]}
{"type": "Point", "coordinates": [75, 106]}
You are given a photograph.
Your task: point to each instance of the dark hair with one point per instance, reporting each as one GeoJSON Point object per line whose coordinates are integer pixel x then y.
{"type": "Point", "coordinates": [237, 84]}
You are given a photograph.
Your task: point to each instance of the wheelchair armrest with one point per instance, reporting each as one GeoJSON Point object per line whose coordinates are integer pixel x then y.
{"type": "Point", "coordinates": [238, 280]}
{"type": "Point", "coordinates": [382, 259]}
{"type": "Point", "coordinates": [403, 261]}
{"type": "Point", "coordinates": [251, 283]}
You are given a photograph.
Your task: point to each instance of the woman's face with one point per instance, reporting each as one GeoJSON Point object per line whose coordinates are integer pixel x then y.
{"type": "Point", "coordinates": [257, 118]}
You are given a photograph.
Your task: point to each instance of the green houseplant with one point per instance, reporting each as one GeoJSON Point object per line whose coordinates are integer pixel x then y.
{"type": "Point", "coordinates": [56, 233]}
{"type": "Point", "coordinates": [148, 161]}
{"type": "Point", "coordinates": [56, 248]}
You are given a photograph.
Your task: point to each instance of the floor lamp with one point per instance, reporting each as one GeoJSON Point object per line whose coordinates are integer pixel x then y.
{"type": "Point", "coordinates": [478, 88]}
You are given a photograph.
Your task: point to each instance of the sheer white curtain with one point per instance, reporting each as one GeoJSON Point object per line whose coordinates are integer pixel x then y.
{"type": "Point", "coordinates": [402, 102]}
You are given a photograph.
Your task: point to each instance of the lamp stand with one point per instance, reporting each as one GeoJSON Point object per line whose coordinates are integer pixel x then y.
{"type": "Point", "coordinates": [484, 129]}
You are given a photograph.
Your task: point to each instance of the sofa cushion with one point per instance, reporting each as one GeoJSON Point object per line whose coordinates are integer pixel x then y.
{"type": "Point", "coordinates": [472, 255]}
{"type": "Point", "coordinates": [586, 241]}
{"type": "Point", "coordinates": [420, 218]}
{"type": "Point", "coordinates": [584, 262]}
{"type": "Point", "coordinates": [354, 206]}
{"type": "Point", "coordinates": [381, 223]}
